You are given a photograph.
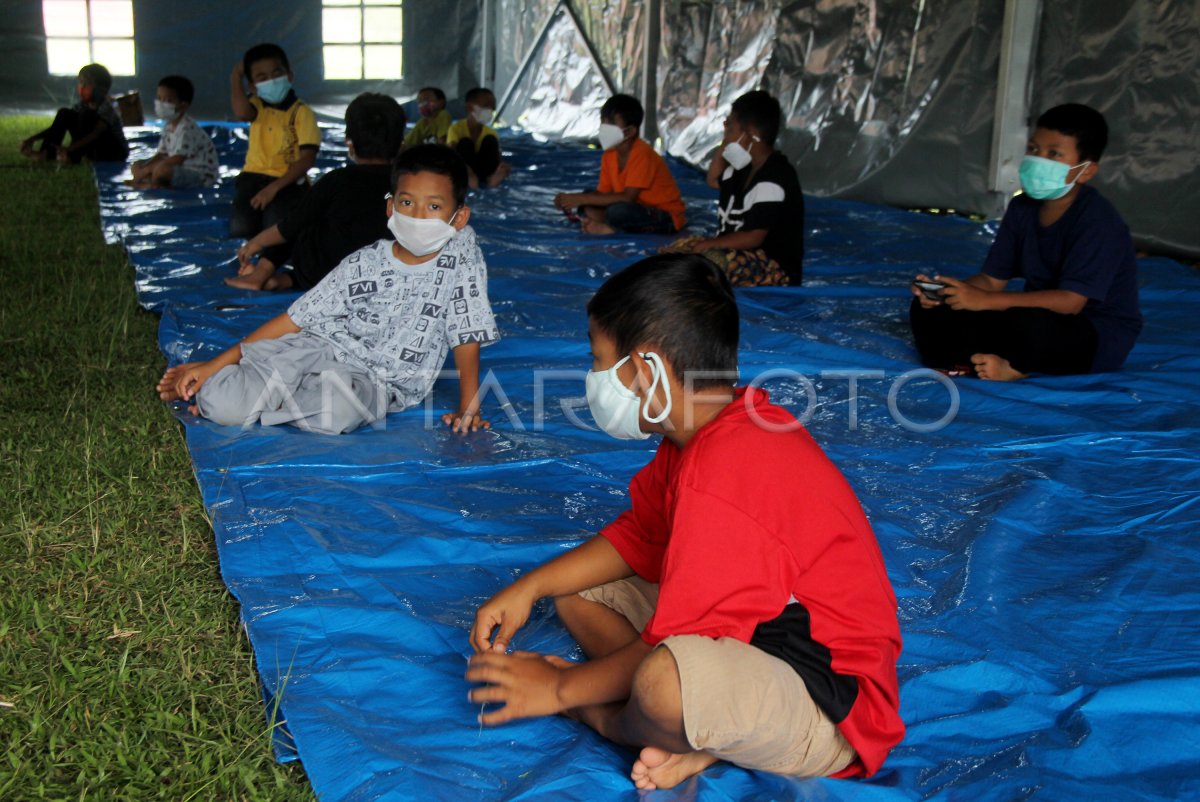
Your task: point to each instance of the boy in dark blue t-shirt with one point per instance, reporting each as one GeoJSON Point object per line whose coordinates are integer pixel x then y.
{"type": "Point", "coordinates": [1079, 311]}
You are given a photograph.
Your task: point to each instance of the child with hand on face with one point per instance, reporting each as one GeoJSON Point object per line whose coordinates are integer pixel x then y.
{"type": "Point", "coordinates": [434, 122]}
{"type": "Point", "coordinates": [186, 156]}
{"type": "Point", "coordinates": [477, 142]}
{"type": "Point", "coordinates": [1079, 310]}
{"type": "Point", "coordinates": [373, 335]}
{"type": "Point", "coordinates": [284, 139]}
{"type": "Point", "coordinates": [740, 609]}
{"type": "Point", "coordinates": [760, 241]}
{"type": "Point", "coordinates": [95, 129]}
{"type": "Point", "coordinates": [341, 213]}
{"type": "Point", "coordinates": [636, 191]}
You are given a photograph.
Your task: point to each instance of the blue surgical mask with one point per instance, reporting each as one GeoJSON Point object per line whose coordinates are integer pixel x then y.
{"type": "Point", "coordinates": [274, 90]}
{"type": "Point", "coordinates": [1046, 179]}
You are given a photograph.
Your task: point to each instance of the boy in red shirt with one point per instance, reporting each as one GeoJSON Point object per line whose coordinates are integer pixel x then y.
{"type": "Point", "coordinates": [637, 192]}
{"type": "Point", "coordinates": [740, 609]}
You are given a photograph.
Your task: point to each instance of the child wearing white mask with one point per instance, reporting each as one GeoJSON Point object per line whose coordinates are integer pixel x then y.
{"type": "Point", "coordinates": [636, 192]}
{"type": "Point", "coordinates": [186, 157]}
{"type": "Point", "coordinates": [1078, 311]}
{"type": "Point", "coordinates": [739, 610]}
{"type": "Point", "coordinates": [372, 337]}
{"type": "Point", "coordinates": [760, 240]}
{"type": "Point", "coordinates": [477, 142]}
{"type": "Point", "coordinates": [284, 139]}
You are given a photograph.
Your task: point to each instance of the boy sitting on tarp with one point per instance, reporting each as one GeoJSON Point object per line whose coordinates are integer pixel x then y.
{"type": "Point", "coordinates": [760, 241]}
{"type": "Point", "coordinates": [340, 214]}
{"type": "Point", "coordinates": [1079, 310]}
{"type": "Point", "coordinates": [93, 124]}
{"type": "Point", "coordinates": [373, 335]}
{"type": "Point", "coordinates": [740, 609]}
{"type": "Point", "coordinates": [186, 156]}
{"type": "Point", "coordinates": [636, 191]}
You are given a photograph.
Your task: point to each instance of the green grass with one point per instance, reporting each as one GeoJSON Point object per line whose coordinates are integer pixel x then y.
{"type": "Point", "coordinates": [124, 671]}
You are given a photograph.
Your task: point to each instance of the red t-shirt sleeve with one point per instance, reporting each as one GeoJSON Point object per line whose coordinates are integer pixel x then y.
{"type": "Point", "coordinates": [640, 534]}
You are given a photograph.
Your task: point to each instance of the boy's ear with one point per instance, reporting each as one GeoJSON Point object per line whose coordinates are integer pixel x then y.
{"type": "Point", "coordinates": [1088, 173]}
{"type": "Point", "coordinates": [391, 206]}
{"type": "Point", "coordinates": [461, 217]}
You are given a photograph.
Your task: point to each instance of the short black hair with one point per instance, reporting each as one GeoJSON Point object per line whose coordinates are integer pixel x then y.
{"type": "Point", "coordinates": [682, 305]}
{"type": "Point", "coordinates": [1082, 122]}
{"type": "Point", "coordinates": [438, 159]}
{"type": "Point", "coordinates": [262, 52]}
{"type": "Point", "coordinates": [439, 94]}
{"type": "Point", "coordinates": [761, 110]}
{"type": "Point", "coordinates": [474, 95]}
{"type": "Point", "coordinates": [375, 124]}
{"type": "Point", "coordinates": [98, 77]}
{"type": "Point", "coordinates": [627, 106]}
{"type": "Point", "coordinates": [181, 86]}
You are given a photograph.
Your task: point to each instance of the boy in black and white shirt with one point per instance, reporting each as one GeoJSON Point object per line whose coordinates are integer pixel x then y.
{"type": "Point", "coordinates": [760, 241]}
{"type": "Point", "coordinates": [372, 336]}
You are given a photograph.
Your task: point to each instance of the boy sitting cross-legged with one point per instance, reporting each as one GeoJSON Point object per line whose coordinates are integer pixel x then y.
{"type": "Point", "coordinates": [740, 609]}
{"type": "Point", "coordinates": [373, 335]}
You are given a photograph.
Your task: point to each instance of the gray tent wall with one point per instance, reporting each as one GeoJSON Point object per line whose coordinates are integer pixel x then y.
{"type": "Point", "coordinates": [890, 101]}
{"type": "Point", "coordinates": [203, 40]}
{"type": "Point", "coordinates": [886, 101]}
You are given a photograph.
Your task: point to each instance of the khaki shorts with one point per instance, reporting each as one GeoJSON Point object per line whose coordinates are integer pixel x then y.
{"type": "Point", "coordinates": [740, 704]}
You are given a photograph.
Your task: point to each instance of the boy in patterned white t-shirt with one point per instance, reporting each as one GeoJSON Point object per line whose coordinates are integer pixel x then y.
{"type": "Point", "coordinates": [373, 335]}
{"type": "Point", "coordinates": [186, 156]}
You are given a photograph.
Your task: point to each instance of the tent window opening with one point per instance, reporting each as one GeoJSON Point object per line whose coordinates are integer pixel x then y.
{"type": "Point", "coordinates": [362, 39]}
{"type": "Point", "coordinates": [80, 32]}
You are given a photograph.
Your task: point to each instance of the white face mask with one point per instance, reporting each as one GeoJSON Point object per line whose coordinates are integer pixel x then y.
{"type": "Point", "coordinates": [483, 115]}
{"type": "Point", "coordinates": [610, 136]}
{"type": "Point", "coordinates": [617, 409]}
{"type": "Point", "coordinates": [421, 236]}
{"type": "Point", "coordinates": [164, 110]}
{"type": "Point", "coordinates": [737, 156]}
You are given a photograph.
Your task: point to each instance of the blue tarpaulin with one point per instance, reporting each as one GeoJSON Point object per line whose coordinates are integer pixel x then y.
{"type": "Point", "coordinates": [1041, 535]}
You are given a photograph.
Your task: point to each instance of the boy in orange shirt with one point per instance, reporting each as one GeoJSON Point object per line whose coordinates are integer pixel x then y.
{"type": "Point", "coordinates": [636, 192]}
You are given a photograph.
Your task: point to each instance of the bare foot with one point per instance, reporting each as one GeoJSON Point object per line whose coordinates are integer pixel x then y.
{"type": "Point", "coordinates": [254, 279]}
{"type": "Point", "coordinates": [995, 368]}
{"type": "Point", "coordinates": [658, 768]}
{"type": "Point", "coordinates": [279, 281]}
{"type": "Point", "coordinates": [501, 173]}
{"type": "Point", "coordinates": [589, 226]}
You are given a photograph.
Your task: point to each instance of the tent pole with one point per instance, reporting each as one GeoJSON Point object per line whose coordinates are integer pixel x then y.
{"type": "Point", "coordinates": [1018, 48]}
{"type": "Point", "coordinates": [486, 45]}
{"type": "Point", "coordinates": [529, 54]}
{"type": "Point", "coordinates": [587, 43]}
{"type": "Point", "coordinates": [650, 47]}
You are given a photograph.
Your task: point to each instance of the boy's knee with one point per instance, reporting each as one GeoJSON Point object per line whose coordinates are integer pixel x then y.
{"type": "Point", "coordinates": [656, 688]}
{"type": "Point", "coordinates": [225, 398]}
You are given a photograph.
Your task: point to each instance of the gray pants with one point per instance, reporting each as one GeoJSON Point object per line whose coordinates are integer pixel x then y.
{"type": "Point", "coordinates": [293, 379]}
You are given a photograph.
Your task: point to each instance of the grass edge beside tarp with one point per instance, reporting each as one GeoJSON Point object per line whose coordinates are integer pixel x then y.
{"type": "Point", "coordinates": [124, 670]}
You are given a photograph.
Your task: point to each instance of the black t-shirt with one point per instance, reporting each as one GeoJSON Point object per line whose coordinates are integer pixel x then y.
{"type": "Point", "coordinates": [772, 200]}
{"type": "Point", "coordinates": [344, 211]}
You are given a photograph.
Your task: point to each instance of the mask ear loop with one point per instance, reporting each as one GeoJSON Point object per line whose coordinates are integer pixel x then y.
{"type": "Point", "coordinates": [658, 374]}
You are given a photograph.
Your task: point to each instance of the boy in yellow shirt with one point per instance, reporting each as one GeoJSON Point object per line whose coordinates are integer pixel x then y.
{"type": "Point", "coordinates": [434, 120]}
{"type": "Point", "coordinates": [284, 139]}
{"type": "Point", "coordinates": [477, 142]}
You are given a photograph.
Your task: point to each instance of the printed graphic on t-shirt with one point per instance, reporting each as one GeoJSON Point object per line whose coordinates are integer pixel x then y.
{"type": "Point", "coordinates": [401, 320]}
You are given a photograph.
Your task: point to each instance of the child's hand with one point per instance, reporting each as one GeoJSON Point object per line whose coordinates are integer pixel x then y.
{"type": "Point", "coordinates": [245, 257]}
{"type": "Point", "coordinates": [465, 421]}
{"type": "Point", "coordinates": [182, 382]}
{"type": "Point", "coordinates": [527, 684]}
{"type": "Point", "coordinates": [565, 200]}
{"type": "Point", "coordinates": [960, 295]}
{"type": "Point", "coordinates": [926, 301]}
{"type": "Point", "coordinates": [264, 197]}
{"type": "Point", "coordinates": [238, 73]}
{"type": "Point", "coordinates": [506, 612]}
